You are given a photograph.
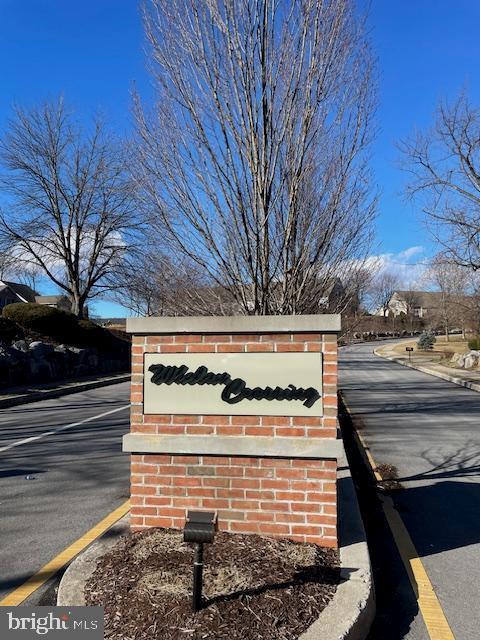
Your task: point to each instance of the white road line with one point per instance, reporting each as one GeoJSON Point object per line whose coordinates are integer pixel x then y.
{"type": "Point", "coordinates": [64, 428]}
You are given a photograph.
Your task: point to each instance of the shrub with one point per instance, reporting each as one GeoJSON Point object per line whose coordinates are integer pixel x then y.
{"type": "Point", "coordinates": [47, 321]}
{"type": "Point", "coordinates": [61, 326]}
{"type": "Point", "coordinates": [426, 341]}
{"type": "Point", "coordinates": [90, 334]}
{"type": "Point", "coordinates": [9, 331]}
{"type": "Point", "coordinates": [474, 343]}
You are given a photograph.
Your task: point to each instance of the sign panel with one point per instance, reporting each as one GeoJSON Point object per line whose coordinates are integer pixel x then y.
{"type": "Point", "coordinates": [247, 384]}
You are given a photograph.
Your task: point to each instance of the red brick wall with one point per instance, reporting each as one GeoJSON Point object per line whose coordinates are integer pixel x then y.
{"type": "Point", "coordinates": [295, 498]}
{"type": "Point", "coordinates": [269, 496]}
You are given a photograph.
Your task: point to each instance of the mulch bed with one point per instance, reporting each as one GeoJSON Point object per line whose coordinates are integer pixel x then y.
{"type": "Point", "coordinates": [254, 588]}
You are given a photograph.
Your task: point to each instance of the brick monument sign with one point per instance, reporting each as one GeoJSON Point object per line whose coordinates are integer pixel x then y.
{"type": "Point", "coordinates": [236, 415]}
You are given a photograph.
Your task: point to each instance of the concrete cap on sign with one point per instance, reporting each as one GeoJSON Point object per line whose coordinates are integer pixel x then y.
{"type": "Point", "coordinates": [258, 446]}
{"type": "Point", "coordinates": [323, 323]}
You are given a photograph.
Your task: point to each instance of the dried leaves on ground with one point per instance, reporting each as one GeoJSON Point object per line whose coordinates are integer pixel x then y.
{"type": "Point", "coordinates": [389, 475]}
{"type": "Point", "coordinates": [255, 588]}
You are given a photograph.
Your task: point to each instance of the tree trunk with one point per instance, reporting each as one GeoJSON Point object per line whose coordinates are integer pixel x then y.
{"type": "Point", "coordinates": [78, 305]}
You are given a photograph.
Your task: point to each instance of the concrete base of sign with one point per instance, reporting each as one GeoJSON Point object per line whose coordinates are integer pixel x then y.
{"type": "Point", "coordinates": [324, 448]}
{"type": "Point", "coordinates": [349, 614]}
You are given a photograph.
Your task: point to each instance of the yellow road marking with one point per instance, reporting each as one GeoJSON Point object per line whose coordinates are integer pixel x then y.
{"type": "Point", "coordinates": [21, 593]}
{"type": "Point", "coordinates": [368, 453]}
{"type": "Point", "coordinates": [428, 603]}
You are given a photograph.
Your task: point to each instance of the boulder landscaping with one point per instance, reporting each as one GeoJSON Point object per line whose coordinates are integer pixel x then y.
{"type": "Point", "coordinates": [43, 344]}
{"type": "Point", "coordinates": [469, 360]}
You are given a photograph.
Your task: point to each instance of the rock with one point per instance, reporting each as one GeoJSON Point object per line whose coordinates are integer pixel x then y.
{"type": "Point", "coordinates": [76, 350]}
{"type": "Point", "coordinates": [468, 360]}
{"type": "Point", "coordinates": [93, 359]}
{"type": "Point", "coordinates": [40, 361]}
{"type": "Point", "coordinates": [14, 366]}
{"type": "Point", "coordinates": [11, 354]}
{"type": "Point", "coordinates": [21, 345]}
{"type": "Point", "coordinates": [41, 350]}
{"type": "Point", "coordinates": [41, 370]}
{"type": "Point", "coordinates": [61, 348]}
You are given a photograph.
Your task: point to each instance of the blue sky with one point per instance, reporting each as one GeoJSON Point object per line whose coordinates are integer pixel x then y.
{"type": "Point", "coordinates": [92, 52]}
{"type": "Point", "coordinates": [427, 50]}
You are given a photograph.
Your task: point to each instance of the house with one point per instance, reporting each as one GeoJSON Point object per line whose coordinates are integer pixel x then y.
{"type": "Point", "coordinates": [59, 302]}
{"type": "Point", "coordinates": [11, 292]}
{"type": "Point", "coordinates": [322, 297]}
{"type": "Point", "coordinates": [422, 304]}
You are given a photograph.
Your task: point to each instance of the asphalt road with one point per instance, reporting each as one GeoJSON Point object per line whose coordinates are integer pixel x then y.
{"type": "Point", "coordinates": [429, 430]}
{"type": "Point", "coordinates": [55, 486]}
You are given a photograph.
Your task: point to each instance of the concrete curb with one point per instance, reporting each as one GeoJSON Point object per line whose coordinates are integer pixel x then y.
{"type": "Point", "coordinates": [70, 590]}
{"type": "Point", "coordinates": [349, 614]}
{"type": "Point", "coordinates": [351, 611]}
{"type": "Point", "coordinates": [474, 386]}
{"type": "Point", "coordinates": [34, 396]}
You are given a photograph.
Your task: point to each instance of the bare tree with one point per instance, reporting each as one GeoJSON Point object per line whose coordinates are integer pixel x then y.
{"type": "Point", "coordinates": [253, 159]}
{"type": "Point", "coordinates": [138, 282]}
{"type": "Point", "coordinates": [5, 265]}
{"type": "Point", "coordinates": [358, 295]}
{"type": "Point", "coordinates": [472, 311]}
{"type": "Point", "coordinates": [70, 208]}
{"type": "Point", "coordinates": [30, 277]}
{"type": "Point", "coordinates": [381, 291]}
{"type": "Point", "coordinates": [411, 298]}
{"type": "Point", "coordinates": [444, 164]}
{"type": "Point", "coordinates": [13, 270]}
{"type": "Point", "coordinates": [149, 283]}
{"type": "Point", "coordinates": [451, 281]}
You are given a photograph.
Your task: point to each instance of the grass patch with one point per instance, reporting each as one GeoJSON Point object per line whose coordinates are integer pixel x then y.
{"type": "Point", "coordinates": [442, 349]}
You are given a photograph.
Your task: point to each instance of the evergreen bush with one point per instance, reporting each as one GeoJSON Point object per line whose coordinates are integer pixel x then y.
{"type": "Point", "coordinates": [91, 334]}
{"type": "Point", "coordinates": [47, 321]}
{"type": "Point", "coordinates": [474, 344]}
{"type": "Point", "coordinates": [62, 326]}
{"type": "Point", "coordinates": [426, 341]}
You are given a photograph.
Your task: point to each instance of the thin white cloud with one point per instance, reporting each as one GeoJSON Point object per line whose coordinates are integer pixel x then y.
{"type": "Point", "coordinates": [408, 265]}
{"type": "Point", "coordinates": [410, 253]}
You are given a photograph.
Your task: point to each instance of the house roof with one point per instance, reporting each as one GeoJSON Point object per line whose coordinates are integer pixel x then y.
{"type": "Point", "coordinates": [23, 291]}
{"type": "Point", "coordinates": [49, 299]}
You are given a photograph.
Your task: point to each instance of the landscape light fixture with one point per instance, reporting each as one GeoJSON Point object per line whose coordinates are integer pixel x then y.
{"type": "Point", "coordinates": [199, 529]}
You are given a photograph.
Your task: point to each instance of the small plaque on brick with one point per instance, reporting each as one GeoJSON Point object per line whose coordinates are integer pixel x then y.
{"type": "Point", "coordinates": [270, 384]}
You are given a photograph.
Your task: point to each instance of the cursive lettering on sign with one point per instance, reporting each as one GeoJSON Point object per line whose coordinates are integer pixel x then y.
{"type": "Point", "coordinates": [235, 389]}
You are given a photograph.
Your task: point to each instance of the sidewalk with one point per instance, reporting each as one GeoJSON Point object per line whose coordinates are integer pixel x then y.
{"type": "Point", "coordinates": [427, 364]}
{"type": "Point", "coordinates": [32, 393]}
